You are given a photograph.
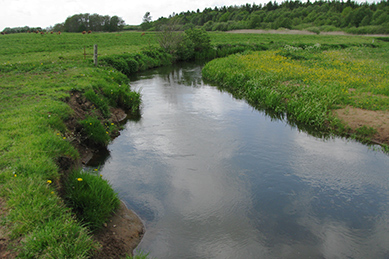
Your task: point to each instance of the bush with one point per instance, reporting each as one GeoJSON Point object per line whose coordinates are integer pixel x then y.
{"type": "Point", "coordinates": [185, 50]}
{"type": "Point", "coordinates": [200, 39]}
{"type": "Point", "coordinates": [91, 197]}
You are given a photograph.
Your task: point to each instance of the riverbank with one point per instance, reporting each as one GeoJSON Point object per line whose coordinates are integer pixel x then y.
{"type": "Point", "coordinates": [330, 90]}
{"type": "Point", "coordinates": [51, 98]}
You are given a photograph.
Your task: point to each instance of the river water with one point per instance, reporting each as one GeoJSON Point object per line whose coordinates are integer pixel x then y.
{"type": "Point", "coordinates": [211, 177]}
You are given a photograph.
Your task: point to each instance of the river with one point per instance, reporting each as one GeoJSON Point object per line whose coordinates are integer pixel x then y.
{"type": "Point", "coordinates": [211, 177]}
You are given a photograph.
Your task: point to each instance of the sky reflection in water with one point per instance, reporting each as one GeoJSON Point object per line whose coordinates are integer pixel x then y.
{"type": "Point", "coordinates": [214, 178]}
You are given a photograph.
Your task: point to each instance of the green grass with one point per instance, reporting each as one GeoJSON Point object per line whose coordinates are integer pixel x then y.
{"type": "Point", "coordinates": [38, 75]}
{"type": "Point", "coordinates": [307, 82]}
{"type": "Point", "coordinates": [91, 198]}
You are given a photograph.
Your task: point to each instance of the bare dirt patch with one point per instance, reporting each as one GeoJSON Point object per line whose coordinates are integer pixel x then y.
{"type": "Point", "coordinates": [356, 118]}
{"type": "Point", "coordinates": [4, 240]}
{"type": "Point", "coordinates": [120, 235]}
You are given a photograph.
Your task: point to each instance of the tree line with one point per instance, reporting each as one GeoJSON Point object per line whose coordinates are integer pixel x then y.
{"type": "Point", "coordinates": [316, 16]}
{"type": "Point", "coordinates": [93, 22]}
{"type": "Point", "coordinates": [78, 23]}
{"type": "Point", "coordinates": [22, 29]}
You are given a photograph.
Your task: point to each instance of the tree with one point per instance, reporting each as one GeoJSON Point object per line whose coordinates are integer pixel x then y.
{"type": "Point", "coordinates": [94, 22]}
{"type": "Point", "coordinates": [115, 23]}
{"type": "Point", "coordinates": [147, 17]}
{"type": "Point", "coordinates": [146, 24]}
{"type": "Point", "coordinates": [169, 38]}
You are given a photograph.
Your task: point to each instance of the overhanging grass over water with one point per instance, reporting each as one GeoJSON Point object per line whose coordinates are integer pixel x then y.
{"type": "Point", "coordinates": [306, 83]}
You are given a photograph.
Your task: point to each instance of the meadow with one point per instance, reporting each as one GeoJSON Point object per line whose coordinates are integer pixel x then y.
{"type": "Point", "coordinates": [305, 76]}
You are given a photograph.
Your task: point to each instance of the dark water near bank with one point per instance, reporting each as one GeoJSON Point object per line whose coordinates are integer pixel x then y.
{"type": "Point", "coordinates": [213, 178]}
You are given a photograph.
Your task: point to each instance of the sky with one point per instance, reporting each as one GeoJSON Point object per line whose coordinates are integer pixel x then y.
{"type": "Point", "coordinates": [44, 13]}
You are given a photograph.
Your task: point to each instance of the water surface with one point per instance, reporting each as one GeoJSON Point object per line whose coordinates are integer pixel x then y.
{"type": "Point", "coordinates": [211, 177]}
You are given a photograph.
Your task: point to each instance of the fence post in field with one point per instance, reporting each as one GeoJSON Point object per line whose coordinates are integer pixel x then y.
{"type": "Point", "coordinates": [95, 54]}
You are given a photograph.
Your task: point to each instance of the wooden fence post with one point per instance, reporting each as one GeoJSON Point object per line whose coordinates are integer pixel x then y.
{"type": "Point", "coordinates": [95, 55]}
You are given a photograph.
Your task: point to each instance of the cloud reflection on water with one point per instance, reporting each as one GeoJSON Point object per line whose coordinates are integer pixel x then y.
{"type": "Point", "coordinates": [215, 179]}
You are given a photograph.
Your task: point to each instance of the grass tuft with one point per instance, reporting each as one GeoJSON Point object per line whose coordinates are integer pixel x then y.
{"type": "Point", "coordinates": [91, 197]}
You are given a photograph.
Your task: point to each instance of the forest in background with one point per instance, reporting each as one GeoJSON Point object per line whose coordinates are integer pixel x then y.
{"type": "Point", "coordinates": [318, 16]}
{"type": "Point", "coordinates": [350, 16]}
{"type": "Point", "coordinates": [78, 23]}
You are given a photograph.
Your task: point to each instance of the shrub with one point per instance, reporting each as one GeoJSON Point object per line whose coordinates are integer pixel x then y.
{"type": "Point", "coordinates": [200, 39]}
{"type": "Point", "coordinates": [185, 50]}
{"type": "Point", "coordinates": [91, 197]}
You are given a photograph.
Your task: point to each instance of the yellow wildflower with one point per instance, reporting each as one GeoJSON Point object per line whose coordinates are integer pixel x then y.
{"type": "Point", "coordinates": [49, 181]}
{"type": "Point", "coordinates": [79, 179]}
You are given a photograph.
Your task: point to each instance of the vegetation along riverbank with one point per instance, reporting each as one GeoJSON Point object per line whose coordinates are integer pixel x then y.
{"type": "Point", "coordinates": [57, 107]}
{"type": "Point", "coordinates": [331, 88]}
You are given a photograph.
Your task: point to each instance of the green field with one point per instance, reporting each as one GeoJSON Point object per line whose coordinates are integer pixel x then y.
{"type": "Point", "coordinates": [39, 73]}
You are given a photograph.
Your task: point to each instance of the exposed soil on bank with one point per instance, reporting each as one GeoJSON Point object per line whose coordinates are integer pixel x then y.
{"type": "Point", "coordinates": [356, 118]}
{"type": "Point", "coordinates": [124, 230]}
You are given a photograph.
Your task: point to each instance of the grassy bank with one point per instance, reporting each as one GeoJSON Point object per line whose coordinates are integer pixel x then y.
{"type": "Point", "coordinates": [308, 82]}
{"type": "Point", "coordinates": [39, 75]}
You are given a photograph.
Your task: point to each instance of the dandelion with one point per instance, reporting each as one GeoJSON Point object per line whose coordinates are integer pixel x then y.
{"type": "Point", "coordinates": [52, 192]}
{"type": "Point", "coordinates": [15, 175]}
{"type": "Point", "coordinates": [64, 137]}
{"type": "Point", "coordinates": [58, 134]}
{"type": "Point", "coordinates": [95, 169]}
{"type": "Point", "coordinates": [49, 181]}
{"type": "Point", "coordinates": [112, 124]}
{"type": "Point", "coordinates": [106, 132]}
{"type": "Point", "coordinates": [79, 179]}
{"type": "Point", "coordinates": [90, 123]}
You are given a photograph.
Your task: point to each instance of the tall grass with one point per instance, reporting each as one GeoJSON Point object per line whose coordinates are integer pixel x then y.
{"type": "Point", "coordinates": [91, 198]}
{"type": "Point", "coordinates": [305, 83]}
